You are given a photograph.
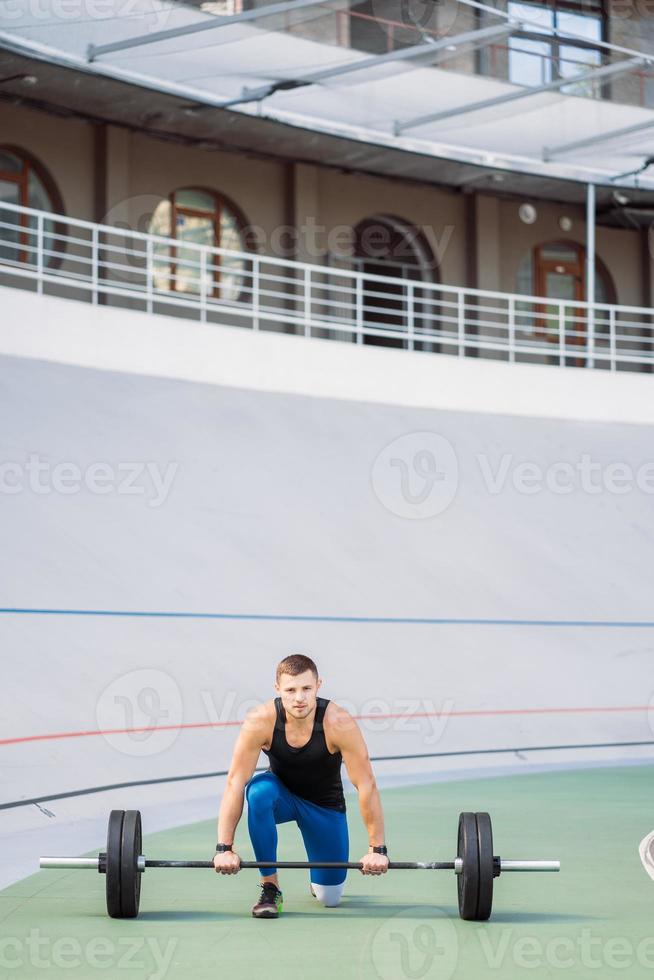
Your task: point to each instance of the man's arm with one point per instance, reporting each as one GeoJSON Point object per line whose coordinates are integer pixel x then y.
{"type": "Point", "coordinates": [252, 737]}
{"type": "Point", "coordinates": [346, 735]}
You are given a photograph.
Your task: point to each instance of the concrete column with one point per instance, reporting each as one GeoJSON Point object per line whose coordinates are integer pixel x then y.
{"type": "Point", "coordinates": [99, 172]}
{"type": "Point", "coordinates": [111, 205]}
{"type": "Point", "coordinates": [118, 171]}
{"type": "Point", "coordinates": [482, 243]}
{"type": "Point", "coordinates": [487, 242]}
{"type": "Point", "coordinates": [306, 214]}
{"type": "Point", "coordinates": [110, 172]}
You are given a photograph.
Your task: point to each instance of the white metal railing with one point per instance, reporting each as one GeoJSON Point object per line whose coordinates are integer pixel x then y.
{"type": "Point", "coordinates": [98, 263]}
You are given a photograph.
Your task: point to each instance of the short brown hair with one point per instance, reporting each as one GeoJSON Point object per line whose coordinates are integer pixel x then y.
{"type": "Point", "coordinates": [296, 664]}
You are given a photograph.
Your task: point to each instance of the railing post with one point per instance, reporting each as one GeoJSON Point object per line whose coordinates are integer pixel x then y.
{"type": "Point", "coordinates": [410, 313]}
{"type": "Point", "coordinates": [461, 324]}
{"type": "Point", "coordinates": [511, 329]}
{"type": "Point", "coordinates": [591, 221]}
{"type": "Point", "coordinates": [149, 273]}
{"type": "Point", "coordinates": [307, 301]}
{"type": "Point", "coordinates": [359, 307]}
{"type": "Point", "coordinates": [94, 265]}
{"type": "Point", "coordinates": [39, 254]}
{"type": "Point", "coordinates": [590, 337]}
{"type": "Point", "coordinates": [203, 285]}
{"type": "Point", "coordinates": [612, 344]}
{"type": "Point", "coordinates": [255, 292]}
{"type": "Point", "coordinates": [561, 335]}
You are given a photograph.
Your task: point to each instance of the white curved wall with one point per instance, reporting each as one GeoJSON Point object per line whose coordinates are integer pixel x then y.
{"type": "Point", "coordinates": [278, 508]}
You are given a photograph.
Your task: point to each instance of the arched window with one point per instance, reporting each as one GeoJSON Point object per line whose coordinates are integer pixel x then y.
{"type": "Point", "coordinates": [385, 245]}
{"type": "Point", "coordinates": [195, 216]}
{"type": "Point", "coordinates": [558, 270]}
{"type": "Point", "coordinates": [25, 182]}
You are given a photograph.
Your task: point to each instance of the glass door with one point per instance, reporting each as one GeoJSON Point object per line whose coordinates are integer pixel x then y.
{"type": "Point", "coordinates": [560, 274]}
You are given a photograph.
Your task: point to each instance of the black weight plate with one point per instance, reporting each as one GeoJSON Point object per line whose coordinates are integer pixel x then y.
{"type": "Point", "coordinates": [130, 876]}
{"type": "Point", "coordinates": [114, 837]}
{"type": "Point", "coordinates": [468, 880]}
{"type": "Point", "coordinates": [485, 845]}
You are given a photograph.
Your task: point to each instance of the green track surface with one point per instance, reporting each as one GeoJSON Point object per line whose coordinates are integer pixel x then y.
{"type": "Point", "coordinates": [594, 919]}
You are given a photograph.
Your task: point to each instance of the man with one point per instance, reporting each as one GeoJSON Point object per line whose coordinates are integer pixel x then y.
{"type": "Point", "coordinates": [305, 738]}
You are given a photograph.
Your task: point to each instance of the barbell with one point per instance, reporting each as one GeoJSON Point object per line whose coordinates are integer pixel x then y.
{"type": "Point", "coordinates": [475, 865]}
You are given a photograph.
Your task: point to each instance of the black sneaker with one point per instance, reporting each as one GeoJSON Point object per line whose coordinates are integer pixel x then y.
{"type": "Point", "coordinates": [270, 902]}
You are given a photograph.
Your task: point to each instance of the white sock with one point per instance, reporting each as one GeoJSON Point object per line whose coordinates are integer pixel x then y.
{"type": "Point", "coordinates": [328, 895]}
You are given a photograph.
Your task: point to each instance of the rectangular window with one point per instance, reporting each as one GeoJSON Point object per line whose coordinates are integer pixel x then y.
{"type": "Point", "coordinates": [541, 53]}
{"type": "Point", "coordinates": [530, 62]}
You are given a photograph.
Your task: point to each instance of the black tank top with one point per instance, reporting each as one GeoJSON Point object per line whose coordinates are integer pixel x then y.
{"type": "Point", "coordinates": [312, 771]}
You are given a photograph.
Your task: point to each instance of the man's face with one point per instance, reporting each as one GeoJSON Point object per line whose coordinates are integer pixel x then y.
{"type": "Point", "coordinates": [298, 693]}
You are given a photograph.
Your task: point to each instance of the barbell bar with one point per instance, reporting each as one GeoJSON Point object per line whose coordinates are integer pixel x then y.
{"type": "Point", "coordinates": [475, 865]}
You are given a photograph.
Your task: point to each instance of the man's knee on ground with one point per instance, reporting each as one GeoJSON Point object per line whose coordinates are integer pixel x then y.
{"type": "Point", "coordinates": [328, 895]}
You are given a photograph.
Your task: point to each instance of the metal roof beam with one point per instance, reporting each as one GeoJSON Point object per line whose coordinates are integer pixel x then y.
{"type": "Point", "coordinates": [551, 151]}
{"type": "Point", "coordinates": [605, 72]}
{"type": "Point", "coordinates": [428, 51]}
{"type": "Point", "coordinates": [211, 24]}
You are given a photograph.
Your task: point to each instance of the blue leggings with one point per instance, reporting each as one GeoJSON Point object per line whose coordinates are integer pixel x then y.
{"type": "Point", "coordinates": [324, 831]}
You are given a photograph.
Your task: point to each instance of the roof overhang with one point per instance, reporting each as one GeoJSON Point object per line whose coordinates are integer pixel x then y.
{"type": "Point", "coordinates": [81, 92]}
